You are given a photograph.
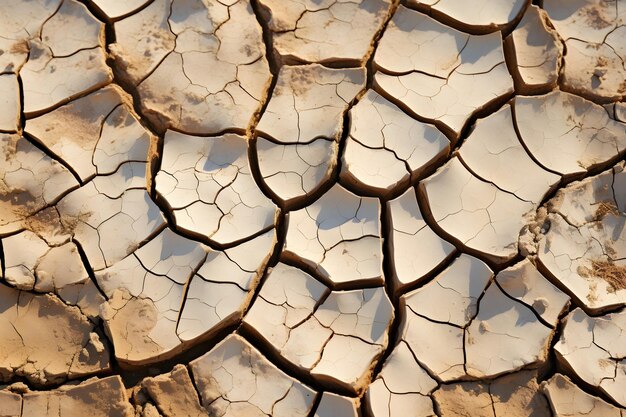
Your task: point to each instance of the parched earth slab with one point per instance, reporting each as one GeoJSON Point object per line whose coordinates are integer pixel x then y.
{"type": "Point", "coordinates": [46, 341]}
{"type": "Point", "coordinates": [333, 405]}
{"type": "Point", "coordinates": [175, 394]}
{"type": "Point", "coordinates": [336, 336]}
{"type": "Point", "coordinates": [440, 74]}
{"type": "Point", "coordinates": [173, 291]}
{"type": "Point", "coordinates": [514, 395]}
{"type": "Point", "coordinates": [476, 213]}
{"type": "Point", "coordinates": [535, 52]}
{"type": "Point", "coordinates": [116, 9]}
{"type": "Point", "coordinates": [30, 263]}
{"type": "Point", "coordinates": [487, 332]}
{"type": "Point", "coordinates": [593, 349]}
{"type": "Point", "coordinates": [593, 32]}
{"type": "Point", "coordinates": [234, 379]}
{"type": "Point", "coordinates": [416, 249]}
{"type": "Point", "coordinates": [581, 241]}
{"type": "Point", "coordinates": [494, 153]}
{"type": "Point", "coordinates": [298, 134]}
{"type": "Point", "coordinates": [293, 173]}
{"type": "Point", "coordinates": [94, 134]}
{"type": "Point", "coordinates": [327, 31]}
{"type": "Point", "coordinates": [9, 103]}
{"type": "Point", "coordinates": [29, 181]}
{"type": "Point", "coordinates": [386, 148]}
{"type": "Point", "coordinates": [567, 400]}
{"type": "Point", "coordinates": [104, 397]}
{"type": "Point", "coordinates": [339, 237]}
{"type": "Point", "coordinates": [111, 215]}
{"type": "Point", "coordinates": [568, 134]}
{"type": "Point", "coordinates": [483, 16]}
{"type": "Point", "coordinates": [56, 53]}
{"type": "Point", "coordinates": [401, 388]}
{"type": "Point", "coordinates": [165, 48]}
{"type": "Point", "coordinates": [208, 184]}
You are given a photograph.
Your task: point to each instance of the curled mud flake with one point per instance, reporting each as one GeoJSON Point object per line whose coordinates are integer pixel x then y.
{"type": "Point", "coordinates": [46, 341]}
{"type": "Point", "coordinates": [483, 17]}
{"type": "Point", "coordinates": [222, 288]}
{"type": "Point", "coordinates": [525, 283]}
{"type": "Point", "coordinates": [339, 236]}
{"type": "Point", "coordinates": [593, 349]}
{"type": "Point", "coordinates": [328, 31]}
{"type": "Point", "coordinates": [146, 292]}
{"type": "Point", "coordinates": [208, 184]}
{"type": "Point", "coordinates": [234, 379]}
{"type": "Point", "coordinates": [294, 172]}
{"type": "Point", "coordinates": [111, 215]}
{"type": "Point", "coordinates": [430, 323]}
{"type": "Point", "coordinates": [506, 336]}
{"type": "Point", "coordinates": [438, 73]}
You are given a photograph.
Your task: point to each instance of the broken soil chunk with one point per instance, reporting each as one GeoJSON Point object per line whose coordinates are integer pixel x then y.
{"type": "Point", "coordinates": [333, 405]}
{"type": "Point", "coordinates": [336, 336]}
{"type": "Point", "coordinates": [401, 388]}
{"type": "Point", "coordinates": [567, 400]}
{"type": "Point", "coordinates": [483, 15]}
{"type": "Point", "coordinates": [476, 213]}
{"type": "Point", "coordinates": [46, 341]}
{"type": "Point", "coordinates": [208, 184]}
{"type": "Point", "coordinates": [438, 73]}
{"type": "Point", "coordinates": [327, 31]}
{"type": "Point", "coordinates": [104, 397]}
{"type": "Point", "coordinates": [234, 379]}
{"type": "Point", "coordinates": [165, 48]}
{"type": "Point", "coordinates": [535, 53]}
{"type": "Point", "coordinates": [386, 148]}
{"type": "Point", "coordinates": [175, 394]}
{"type": "Point", "coordinates": [416, 249]}
{"type": "Point", "coordinates": [514, 395]}
{"type": "Point", "coordinates": [593, 32]}
{"type": "Point", "coordinates": [582, 244]}
{"type": "Point", "coordinates": [339, 236]}
{"type": "Point", "coordinates": [594, 348]}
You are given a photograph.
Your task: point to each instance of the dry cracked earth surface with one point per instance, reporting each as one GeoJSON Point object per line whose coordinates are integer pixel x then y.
{"type": "Point", "coordinates": [315, 208]}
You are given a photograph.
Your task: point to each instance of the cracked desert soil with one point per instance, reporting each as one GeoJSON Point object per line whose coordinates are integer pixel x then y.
{"type": "Point", "coordinates": [312, 208]}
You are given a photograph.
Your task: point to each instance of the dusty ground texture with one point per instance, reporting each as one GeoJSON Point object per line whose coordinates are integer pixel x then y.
{"type": "Point", "coordinates": [315, 208]}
